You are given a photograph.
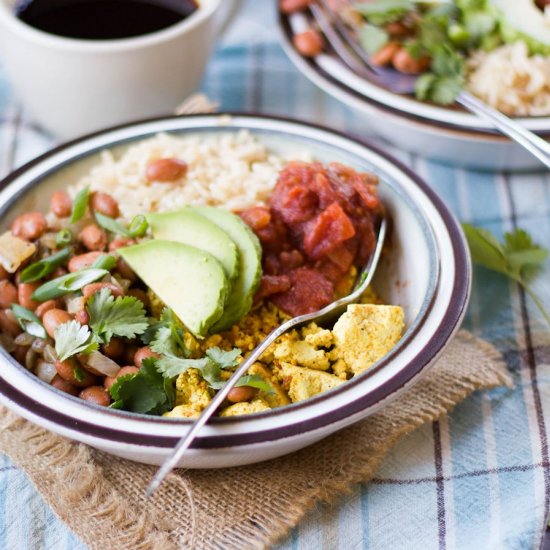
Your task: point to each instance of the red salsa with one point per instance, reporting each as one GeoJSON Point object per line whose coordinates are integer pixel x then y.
{"type": "Point", "coordinates": [319, 222]}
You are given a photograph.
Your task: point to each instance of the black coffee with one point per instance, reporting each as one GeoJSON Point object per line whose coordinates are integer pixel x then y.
{"type": "Point", "coordinates": [103, 19]}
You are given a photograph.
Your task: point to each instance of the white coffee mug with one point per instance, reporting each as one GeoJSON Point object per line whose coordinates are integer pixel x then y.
{"type": "Point", "coordinates": [72, 86]}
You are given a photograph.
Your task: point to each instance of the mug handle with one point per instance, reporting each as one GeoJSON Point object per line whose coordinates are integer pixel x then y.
{"type": "Point", "coordinates": [227, 11]}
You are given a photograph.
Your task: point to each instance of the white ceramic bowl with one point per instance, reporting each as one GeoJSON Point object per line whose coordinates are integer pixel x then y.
{"type": "Point", "coordinates": [442, 133]}
{"type": "Point", "coordinates": [428, 272]}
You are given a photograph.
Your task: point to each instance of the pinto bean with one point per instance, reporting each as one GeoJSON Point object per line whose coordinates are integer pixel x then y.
{"type": "Point", "coordinates": [20, 354]}
{"type": "Point", "coordinates": [53, 318]}
{"type": "Point", "coordinates": [24, 295]}
{"type": "Point", "coordinates": [110, 380]}
{"type": "Point", "coordinates": [120, 242]}
{"type": "Point", "coordinates": [8, 294]}
{"type": "Point", "coordinates": [165, 170]}
{"type": "Point", "coordinates": [61, 204]}
{"type": "Point", "coordinates": [82, 316]}
{"type": "Point", "coordinates": [309, 43]}
{"type": "Point", "coordinates": [44, 307]}
{"type": "Point", "coordinates": [114, 349]}
{"type": "Point", "coordinates": [74, 373]}
{"type": "Point", "coordinates": [96, 395]}
{"type": "Point", "coordinates": [94, 238]}
{"type": "Point", "coordinates": [92, 288]}
{"type": "Point", "coordinates": [140, 295]}
{"type": "Point", "coordinates": [292, 6]}
{"type": "Point", "coordinates": [125, 270]}
{"type": "Point", "coordinates": [57, 272]}
{"type": "Point", "coordinates": [82, 261]}
{"type": "Point", "coordinates": [104, 204]}
{"type": "Point", "coordinates": [3, 274]}
{"type": "Point", "coordinates": [404, 62]}
{"type": "Point", "coordinates": [64, 386]}
{"type": "Point", "coordinates": [397, 29]}
{"type": "Point", "coordinates": [242, 393]}
{"type": "Point", "coordinates": [142, 354]}
{"type": "Point", "coordinates": [385, 54]}
{"type": "Point", "coordinates": [8, 323]}
{"type": "Point", "coordinates": [29, 226]}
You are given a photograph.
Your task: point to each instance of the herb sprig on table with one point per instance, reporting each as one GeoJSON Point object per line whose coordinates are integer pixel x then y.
{"type": "Point", "coordinates": [518, 257]}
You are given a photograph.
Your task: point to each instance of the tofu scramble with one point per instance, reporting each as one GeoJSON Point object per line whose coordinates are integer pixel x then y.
{"type": "Point", "coordinates": [151, 312]}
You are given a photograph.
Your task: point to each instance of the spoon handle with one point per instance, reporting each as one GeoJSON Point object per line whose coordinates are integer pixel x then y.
{"type": "Point", "coordinates": [179, 450]}
{"type": "Point", "coordinates": [530, 141]}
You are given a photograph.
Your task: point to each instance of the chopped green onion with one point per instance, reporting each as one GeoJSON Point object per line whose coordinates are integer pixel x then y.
{"type": "Point", "coordinates": [29, 322]}
{"type": "Point", "coordinates": [64, 237]}
{"type": "Point", "coordinates": [44, 267]}
{"type": "Point", "coordinates": [67, 284]}
{"type": "Point", "coordinates": [80, 204]}
{"type": "Point", "coordinates": [111, 225]}
{"type": "Point", "coordinates": [138, 226]}
{"type": "Point", "coordinates": [79, 374]}
{"type": "Point", "coordinates": [105, 261]}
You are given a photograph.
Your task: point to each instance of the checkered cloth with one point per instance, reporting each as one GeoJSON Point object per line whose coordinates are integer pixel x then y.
{"type": "Point", "coordinates": [477, 479]}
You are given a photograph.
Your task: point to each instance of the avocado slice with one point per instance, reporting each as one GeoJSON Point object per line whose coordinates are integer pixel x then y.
{"type": "Point", "coordinates": [190, 281]}
{"type": "Point", "coordinates": [523, 20]}
{"type": "Point", "coordinates": [250, 257]}
{"type": "Point", "coordinates": [188, 227]}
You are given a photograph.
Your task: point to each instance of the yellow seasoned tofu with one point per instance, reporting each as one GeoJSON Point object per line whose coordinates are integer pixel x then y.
{"type": "Point", "coordinates": [304, 348]}
{"type": "Point", "coordinates": [365, 333]}
{"type": "Point", "coordinates": [257, 405]}
{"type": "Point", "coordinates": [183, 411]}
{"type": "Point", "coordinates": [192, 390]}
{"type": "Point", "coordinates": [278, 396]}
{"type": "Point", "coordinates": [303, 383]}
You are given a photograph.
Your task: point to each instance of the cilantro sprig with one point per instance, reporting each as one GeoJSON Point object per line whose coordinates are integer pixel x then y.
{"type": "Point", "coordinates": [124, 316]}
{"type": "Point", "coordinates": [146, 392]}
{"type": "Point", "coordinates": [72, 338]}
{"type": "Point", "coordinates": [517, 257]}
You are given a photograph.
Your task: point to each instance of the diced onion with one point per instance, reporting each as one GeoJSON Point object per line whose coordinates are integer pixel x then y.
{"type": "Point", "coordinates": [75, 304]}
{"type": "Point", "coordinates": [49, 354]}
{"type": "Point", "coordinates": [45, 371]}
{"type": "Point", "coordinates": [6, 341]}
{"type": "Point", "coordinates": [102, 364]}
{"type": "Point", "coordinates": [24, 339]}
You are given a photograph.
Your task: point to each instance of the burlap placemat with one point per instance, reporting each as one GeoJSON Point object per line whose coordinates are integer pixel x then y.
{"type": "Point", "coordinates": [100, 497]}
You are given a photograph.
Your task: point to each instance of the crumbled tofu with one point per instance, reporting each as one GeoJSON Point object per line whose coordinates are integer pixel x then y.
{"type": "Point", "coordinates": [257, 405]}
{"type": "Point", "coordinates": [278, 396]}
{"type": "Point", "coordinates": [14, 251]}
{"type": "Point", "coordinates": [304, 348]}
{"type": "Point", "coordinates": [183, 411]}
{"type": "Point", "coordinates": [365, 333]}
{"type": "Point", "coordinates": [192, 390]}
{"type": "Point", "coordinates": [303, 383]}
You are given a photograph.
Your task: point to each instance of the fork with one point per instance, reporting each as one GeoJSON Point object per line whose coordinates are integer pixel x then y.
{"type": "Point", "coordinates": [350, 52]}
{"type": "Point", "coordinates": [321, 317]}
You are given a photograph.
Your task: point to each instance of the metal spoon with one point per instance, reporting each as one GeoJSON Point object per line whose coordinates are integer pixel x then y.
{"type": "Point", "coordinates": [351, 53]}
{"type": "Point", "coordinates": [323, 316]}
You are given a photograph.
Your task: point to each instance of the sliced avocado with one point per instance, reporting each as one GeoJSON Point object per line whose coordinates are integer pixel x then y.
{"type": "Point", "coordinates": [186, 226]}
{"type": "Point", "coordinates": [190, 281]}
{"type": "Point", "coordinates": [250, 252]}
{"type": "Point", "coordinates": [523, 20]}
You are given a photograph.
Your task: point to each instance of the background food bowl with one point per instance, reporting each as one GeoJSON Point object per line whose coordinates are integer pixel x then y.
{"type": "Point", "coordinates": [426, 270]}
{"type": "Point", "coordinates": [443, 133]}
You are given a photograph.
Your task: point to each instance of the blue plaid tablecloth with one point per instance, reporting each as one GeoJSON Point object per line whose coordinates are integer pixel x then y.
{"type": "Point", "coordinates": [479, 478]}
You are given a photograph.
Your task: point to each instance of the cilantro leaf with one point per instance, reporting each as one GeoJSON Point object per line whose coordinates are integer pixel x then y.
{"type": "Point", "coordinates": [225, 359]}
{"type": "Point", "coordinates": [146, 391]}
{"type": "Point", "coordinates": [372, 38]}
{"type": "Point", "coordinates": [123, 317]}
{"type": "Point", "coordinates": [380, 12]}
{"type": "Point", "coordinates": [254, 381]}
{"type": "Point", "coordinates": [517, 257]}
{"type": "Point", "coordinates": [152, 336]}
{"type": "Point", "coordinates": [172, 366]}
{"type": "Point", "coordinates": [72, 338]}
{"type": "Point", "coordinates": [210, 366]}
